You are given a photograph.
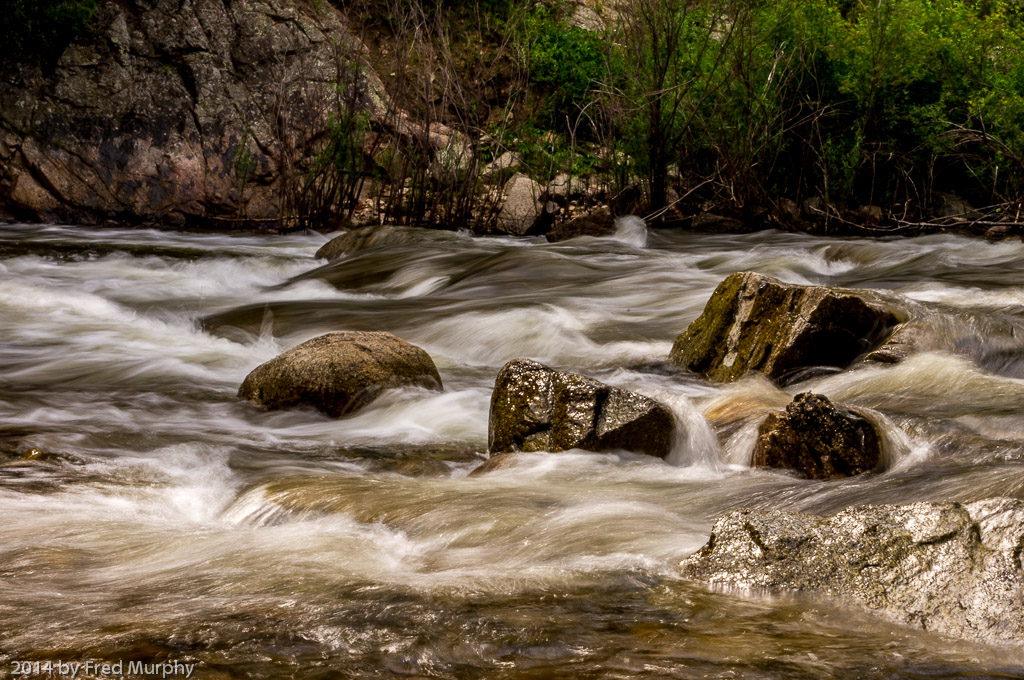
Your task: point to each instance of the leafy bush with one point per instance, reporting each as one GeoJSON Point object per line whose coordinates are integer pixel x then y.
{"type": "Point", "coordinates": [888, 102]}
{"type": "Point", "coordinates": [566, 64]}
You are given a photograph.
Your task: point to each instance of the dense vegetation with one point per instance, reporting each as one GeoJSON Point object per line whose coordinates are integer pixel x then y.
{"type": "Point", "coordinates": [744, 106]}
{"type": "Point", "coordinates": [885, 103]}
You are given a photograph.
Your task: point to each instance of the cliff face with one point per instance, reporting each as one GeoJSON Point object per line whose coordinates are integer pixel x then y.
{"type": "Point", "coordinates": [195, 112]}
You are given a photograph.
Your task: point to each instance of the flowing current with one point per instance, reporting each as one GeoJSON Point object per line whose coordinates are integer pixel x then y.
{"type": "Point", "coordinates": [148, 514]}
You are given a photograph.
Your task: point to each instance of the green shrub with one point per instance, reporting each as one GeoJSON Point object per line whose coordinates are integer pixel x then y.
{"type": "Point", "coordinates": [887, 102]}
{"type": "Point", "coordinates": [566, 64]}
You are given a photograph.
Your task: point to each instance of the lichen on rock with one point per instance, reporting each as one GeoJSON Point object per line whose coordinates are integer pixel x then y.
{"type": "Point", "coordinates": [951, 568]}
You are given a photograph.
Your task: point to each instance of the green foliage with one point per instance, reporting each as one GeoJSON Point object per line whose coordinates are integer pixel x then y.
{"type": "Point", "coordinates": [733, 103]}
{"type": "Point", "coordinates": [342, 153]}
{"type": "Point", "coordinates": [244, 161]}
{"type": "Point", "coordinates": [566, 64]}
{"type": "Point", "coordinates": [669, 73]}
{"type": "Point", "coordinates": [42, 27]}
{"type": "Point", "coordinates": [887, 102]}
{"type": "Point", "coordinates": [546, 153]}
{"type": "Point", "coordinates": [926, 86]}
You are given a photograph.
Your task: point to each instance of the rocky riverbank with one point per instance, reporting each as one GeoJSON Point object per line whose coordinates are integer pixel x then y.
{"type": "Point", "coordinates": [220, 115]}
{"type": "Point", "coordinates": [214, 115]}
{"type": "Point", "coordinates": [203, 114]}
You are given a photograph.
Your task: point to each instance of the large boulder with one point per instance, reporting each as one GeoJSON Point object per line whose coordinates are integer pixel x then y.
{"type": "Point", "coordinates": [522, 205]}
{"type": "Point", "coordinates": [945, 567]}
{"type": "Point", "coordinates": [597, 223]}
{"type": "Point", "coordinates": [818, 440]}
{"type": "Point", "coordinates": [536, 408]}
{"type": "Point", "coordinates": [339, 373]}
{"type": "Point", "coordinates": [756, 323]}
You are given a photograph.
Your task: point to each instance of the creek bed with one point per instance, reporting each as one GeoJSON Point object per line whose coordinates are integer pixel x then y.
{"type": "Point", "coordinates": [166, 520]}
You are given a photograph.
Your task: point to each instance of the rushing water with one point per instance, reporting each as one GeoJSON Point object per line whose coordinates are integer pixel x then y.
{"type": "Point", "coordinates": [162, 519]}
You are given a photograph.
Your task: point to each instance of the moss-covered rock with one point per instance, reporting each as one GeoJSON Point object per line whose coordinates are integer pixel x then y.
{"type": "Point", "coordinates": [536, 408]}
{"type": "Point", "coordinates": [943, 567]}
{"type": "Point", "coordinates": [756, 323]}
{"type": "Point", "coordinates": [817, 440]}
{"type": "Point", "coordinates": [339, 373]}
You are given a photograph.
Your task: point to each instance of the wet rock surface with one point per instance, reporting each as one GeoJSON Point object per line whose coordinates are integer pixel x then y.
{"type": "Point", "coordinates": [339, 373]}
{"type": "Point", "coordinates": [536, 408]}
{"type": "Point", "coordinates": [817, 439]}
{"type": "Point", "coordinates": [756, 323]}
{"type": "Point", "coordinates": [945, 567]}
{"type": "Point", "coordinates": [363, 238]}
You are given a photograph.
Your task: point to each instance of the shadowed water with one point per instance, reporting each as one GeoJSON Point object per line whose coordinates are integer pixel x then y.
{"type": "Point", "coordinates": [162, 519]}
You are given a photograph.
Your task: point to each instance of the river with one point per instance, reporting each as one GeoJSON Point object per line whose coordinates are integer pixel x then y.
{"type": "Point", "coordinates": [160, 518]}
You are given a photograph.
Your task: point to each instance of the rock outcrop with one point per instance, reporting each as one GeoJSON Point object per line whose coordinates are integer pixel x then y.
{"type": "Point", "coordinates": [945, 567]}
{"type": "Point", "coordinates": [756, 323]}
{"type": "Point", "coordinates": [566, 186]}
{"type": "Point", "coordinates": [200, 112]}
{"type": "Point", "coordinates": [817, 440]}
{"type": "Point", "coordinates": [339, 373]}
{"type": "Point", "coordinates": [536, 408]}
{"type": "Point", "coordinates": [597, 223]}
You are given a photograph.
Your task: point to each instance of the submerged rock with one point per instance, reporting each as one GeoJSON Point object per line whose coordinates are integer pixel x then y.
{"type": "Point", "coordinates": [597, 223]}
{"type": "Point", "coordinates": [339, 373]}
{"type": "Point", "coordinates": [818, 440]}
{"type": "Point", "coordinates": [947, 567]}
{"type": "Point", "coordinates": [991, 338]}
{"type": "Point", "coordinates": [498, 461]}
{"type": "Point", "coordinates": [756, 323]}
{"type": "Point", "coordinates": [536, 408]}
{"type": "Point", "coordinates": [363, 238]}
